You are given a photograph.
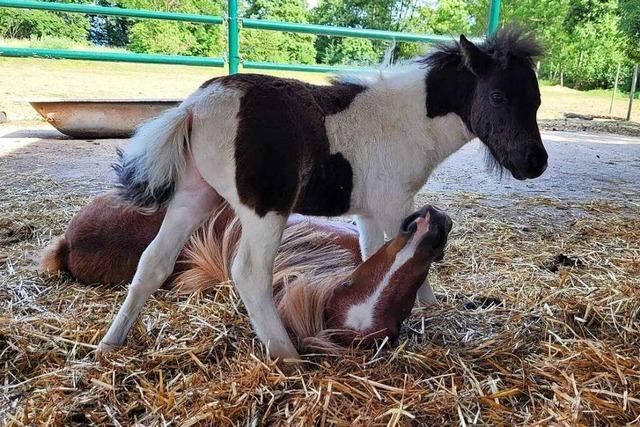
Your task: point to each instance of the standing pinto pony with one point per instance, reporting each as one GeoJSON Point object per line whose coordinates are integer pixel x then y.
{"type": "Point", "coordinates": [273, 146]}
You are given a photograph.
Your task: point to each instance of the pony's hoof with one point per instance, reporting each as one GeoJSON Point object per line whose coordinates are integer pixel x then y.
{"type": "Point", "coordinates": [425, 296]}
{"type": "Point", "coordinates": [285, 352]}
{"type": "Point", "coordinates": [427, 303]}
{"type": "Point", "coordinates": [104, 349]}
{"type": "Point", "coordinates": [426, 300]}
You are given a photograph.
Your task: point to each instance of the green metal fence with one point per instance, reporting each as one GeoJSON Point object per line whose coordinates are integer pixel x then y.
{"type": "Point", "coordinates": [234, 22]}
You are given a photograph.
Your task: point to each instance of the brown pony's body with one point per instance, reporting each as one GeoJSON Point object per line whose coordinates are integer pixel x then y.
{"type": "Point", "coordinates": [318, 275]}
{"type": "Point", "coordinates": [105, 239]}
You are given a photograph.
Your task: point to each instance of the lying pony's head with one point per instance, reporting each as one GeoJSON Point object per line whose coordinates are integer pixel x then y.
{"type": "Point", "coordinates": [378, 296]}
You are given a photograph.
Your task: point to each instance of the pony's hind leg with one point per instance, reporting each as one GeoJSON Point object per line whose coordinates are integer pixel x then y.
{"type": "Point", "coordinates": [252, 273]}
{"type": "Point", "coordinates": [191, 204]}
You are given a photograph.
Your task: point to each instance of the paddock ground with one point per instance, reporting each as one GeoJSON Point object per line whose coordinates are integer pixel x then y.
{"type": "Point", "coordinates": [561, 252]}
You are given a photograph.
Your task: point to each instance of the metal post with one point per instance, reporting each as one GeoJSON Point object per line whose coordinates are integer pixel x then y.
{"type": "Point", "coordinates": [634, 80]}
{"type": "Point", "coordinates": [494, 17]}
{"type": "Point", "coordinates": [615, 88]}
{"type": "Point", "coordinates": [232, 25]}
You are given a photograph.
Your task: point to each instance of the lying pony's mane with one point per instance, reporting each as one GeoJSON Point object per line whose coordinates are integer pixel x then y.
{"type": "Point", "coordinates": [306, 272]}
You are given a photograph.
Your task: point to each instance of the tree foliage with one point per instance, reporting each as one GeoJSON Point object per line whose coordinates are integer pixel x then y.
{"type": "Point", "coordinates": [176, 38]}
{"type": "Point", "coordinates": [350, 51]}
{"type": "Point", "coordinates": [20, 23]}
{"type": "Point", "coordinates": [276, 46]}
{"type": "Point", "coordinates": [630, 26]}
{"type": "Point", "coordinates": [582, 38]}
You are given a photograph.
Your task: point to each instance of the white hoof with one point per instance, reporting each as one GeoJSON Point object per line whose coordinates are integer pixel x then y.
{"type": "Point", "coordinates": [106, 348]}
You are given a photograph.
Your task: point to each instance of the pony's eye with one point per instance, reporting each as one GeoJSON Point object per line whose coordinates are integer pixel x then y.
{"type": "Point", "coordinates": [497, 98]}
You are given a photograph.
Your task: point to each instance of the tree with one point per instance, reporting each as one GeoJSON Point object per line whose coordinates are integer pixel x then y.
{"type": "Point", "coordinates": [18, 23]}
{"type": "Point", "coordinates": [373, 14]}
{"type": "Point", "coordinates": [629, 11]}
{"type": "Point", "coordinates": [178, 38]}
{"type": "Point", "coordinates": [448, 17]}
{"type": "Point", "coordinates": [350, 51]}
{"type": "Point", "coordinates": [275, 46]}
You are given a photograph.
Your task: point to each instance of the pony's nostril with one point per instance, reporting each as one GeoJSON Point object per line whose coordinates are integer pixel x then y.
{"type": "Point", "coordinates": [544, 167]}
{"type": "Point", "coordinates": [409, 226]}
{"type": "Point", "coordinates": [536, 156]}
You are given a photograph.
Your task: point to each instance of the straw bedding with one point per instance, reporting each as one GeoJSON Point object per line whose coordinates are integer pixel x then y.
{"type": "Point", "coordinates": [559, 344]}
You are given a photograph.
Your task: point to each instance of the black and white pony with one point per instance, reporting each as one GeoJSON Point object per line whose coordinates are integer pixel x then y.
{"type": "Point", "coordinates": [273, 146]}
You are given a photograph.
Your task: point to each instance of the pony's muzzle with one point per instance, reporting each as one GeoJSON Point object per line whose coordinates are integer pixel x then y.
{"type": "Point", "coordinates": [431, 227]}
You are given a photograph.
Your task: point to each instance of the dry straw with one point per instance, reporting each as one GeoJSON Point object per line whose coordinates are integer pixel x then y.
{"type": "Point", "coordinates": [562, 348]}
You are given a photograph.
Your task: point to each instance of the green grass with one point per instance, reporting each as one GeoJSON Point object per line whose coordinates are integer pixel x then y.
{"type": "Point", "coordinates": [27, 78]}
{"type": "Point", "coordinates": [23, 79]}
{"type": "Point", "coordinates": [604, 93]}
{"type": "Point", "coordinates": [52, 42]}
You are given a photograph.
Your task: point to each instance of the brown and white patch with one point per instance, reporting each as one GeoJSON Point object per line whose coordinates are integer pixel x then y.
{"type": "Point", "coordinates": [282, 155]}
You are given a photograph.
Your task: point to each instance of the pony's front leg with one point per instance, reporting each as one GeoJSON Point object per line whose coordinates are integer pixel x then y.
{"type": "Point", "coordinates": [371, 235]}
{"type": "Point", "coordinates": [252, 274]}
{"type": "Point", "coordinates": [425, 294]}
{"type": "Point", "coordinates": [190, 206]}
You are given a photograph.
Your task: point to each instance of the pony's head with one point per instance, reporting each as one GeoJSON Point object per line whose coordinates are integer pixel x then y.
{"type": "Point", "coordinates": [378, 296]}
{"type": "Point", "coordinates": [492, 86]}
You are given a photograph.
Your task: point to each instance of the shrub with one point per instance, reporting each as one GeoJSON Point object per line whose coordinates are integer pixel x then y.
{"type": "Point", "coordinates": [160, 37]}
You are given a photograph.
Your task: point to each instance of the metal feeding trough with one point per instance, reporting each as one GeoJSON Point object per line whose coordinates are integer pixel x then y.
{"type": "Point", "coordinates": [100, 118]}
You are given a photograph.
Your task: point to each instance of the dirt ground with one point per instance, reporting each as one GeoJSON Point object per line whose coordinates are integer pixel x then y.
{"type": "Point", "coordinates": [582, 166]}
{"type": "Point", "coordinates": [561, 253]}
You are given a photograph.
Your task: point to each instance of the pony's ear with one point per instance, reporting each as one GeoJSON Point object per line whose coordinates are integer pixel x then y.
{"type": "Point", "coordinates": [475, 60]}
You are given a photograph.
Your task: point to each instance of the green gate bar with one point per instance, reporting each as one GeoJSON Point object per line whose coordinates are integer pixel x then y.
{"type": "Point", "coordinates": [257, 65]}
{"type": "Point", "coordinates": [494, 17]}
{"type": "Point", "coordinates": [325, 30]}
{"type": "Point", "coordinates": [233, 36]}
{"type": "Point", "coordinates": [111, 11]}
{"type": "Point", "coordinates": [110, 56]}
{"type": "Point", "coordinates": [234, 22]}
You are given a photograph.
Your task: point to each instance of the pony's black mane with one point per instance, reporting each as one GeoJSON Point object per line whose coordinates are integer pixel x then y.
{"type": "Point", "coordinates": [508, 43]}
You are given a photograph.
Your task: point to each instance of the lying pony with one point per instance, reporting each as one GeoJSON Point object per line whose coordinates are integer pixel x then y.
{"type": "Point", "coordinates": [325, 295]}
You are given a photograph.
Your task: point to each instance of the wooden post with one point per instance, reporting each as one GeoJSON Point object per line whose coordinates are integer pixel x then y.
{"type": "Point", "coordinates": [615, 88]}
{"type": "Point", "coordinates": [634, 80]}
{"type": "Point", "coordinates": [561, 77]}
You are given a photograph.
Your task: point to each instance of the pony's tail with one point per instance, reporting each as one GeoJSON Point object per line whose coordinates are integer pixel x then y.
{"type": "Point", "coordinates": [154, 159]}
{"type": "Point", "coordinates": [54, 257]}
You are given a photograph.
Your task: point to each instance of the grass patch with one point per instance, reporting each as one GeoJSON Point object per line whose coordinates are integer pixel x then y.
{"type": "Point", "coordinates": [23, 78]}
{"type": "Point", "coordinates": [53, 42]}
